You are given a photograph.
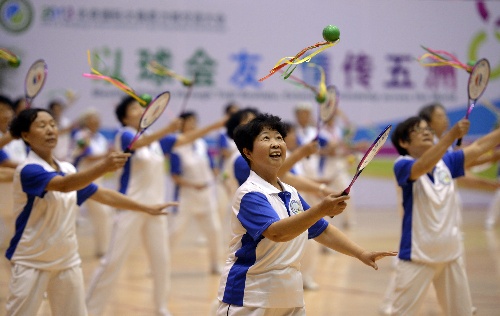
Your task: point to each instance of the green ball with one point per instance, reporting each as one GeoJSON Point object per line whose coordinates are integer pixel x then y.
{"type": "Point", "coordinates": [146, 97]}
{"type": "Point", "coordinates": [15, 63]}
{"type": "Point", "coordinates": [331, 33]}
{"type": "Point", "coordinates": [320, 98]}
{"type": "Point", "coordinates": [471, 63]}
{"type": "Point", "coordinates": [187, 82]}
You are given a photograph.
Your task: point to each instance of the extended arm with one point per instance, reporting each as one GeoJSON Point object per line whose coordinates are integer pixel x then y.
{"type": "Point", "coordinates": [480, 146]}
{"type": "Point", "coordinates": [147, 139]}
{"type": "Point", "coordinates": [120, 201]}
{"type": "Point", "coordinates": [333, 238]}
{"type": "Point", "coordinates": [188, 137]}
{"type": "Point", "coordinates": [81, 179]}
{"type": "Point", "coordinates": [288, 228]}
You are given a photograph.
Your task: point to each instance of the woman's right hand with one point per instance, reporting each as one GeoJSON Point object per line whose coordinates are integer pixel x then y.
{"type": "Point", "coordinates": [334, 204]}
{"type": "Point", "coordinates": [115, 160]}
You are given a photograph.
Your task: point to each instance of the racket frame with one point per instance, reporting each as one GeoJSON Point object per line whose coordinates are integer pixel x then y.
{"type": "Point", "coordinates": [29, 78]}
{"type": "Point", "coordinates": [146, 121]}
{"type": "Point", "coordinates": [367, 157]}
{"type": "Point", "coordinates": [480, 72]}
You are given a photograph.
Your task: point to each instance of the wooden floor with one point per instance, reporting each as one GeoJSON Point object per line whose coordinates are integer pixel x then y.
{"type": "Point", "coordinates": [346, 286]}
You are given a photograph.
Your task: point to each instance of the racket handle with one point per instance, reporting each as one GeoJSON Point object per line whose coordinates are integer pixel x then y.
{"type": "Point", "coordinates": [128, 150]}
{"type": "Point", "coordinates": [459, 142]}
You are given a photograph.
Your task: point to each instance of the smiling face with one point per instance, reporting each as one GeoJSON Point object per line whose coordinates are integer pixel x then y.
{"type": "Point", "coordinates": [42, 134]}
{"type": "Point", "coordinates": [268, 154]}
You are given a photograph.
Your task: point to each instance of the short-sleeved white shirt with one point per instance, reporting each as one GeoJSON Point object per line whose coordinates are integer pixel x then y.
{"type": "Point", "coordinates": [191, 162]}
{"type": "Point", "coordinates": [45, 236]}
{"type": "Point", "coordinates": [144, 169]}
{"type": "Point", "coordinates": [260, 272]}
{"type": "Point", "coordinates": [431, 226]}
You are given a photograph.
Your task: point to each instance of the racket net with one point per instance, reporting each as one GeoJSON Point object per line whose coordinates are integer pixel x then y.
{"type": "Point", "coordinates": [374, 148]}
{"type": "Point", "coordinates": [154, 110]}
{"type": "Point", "coordinates": [35, 78]}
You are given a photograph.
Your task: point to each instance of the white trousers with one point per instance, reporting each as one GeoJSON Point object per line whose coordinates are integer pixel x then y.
{"type": "Point", "coordinates": [65, 291]}
{"type": "Point", "coordinates": [128, 228]}
{"type": "Point", "coordinates": [450, 282]}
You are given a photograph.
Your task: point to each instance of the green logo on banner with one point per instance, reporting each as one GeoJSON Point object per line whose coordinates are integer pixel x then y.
{"type": "Point", "coordinates": [15, 15]}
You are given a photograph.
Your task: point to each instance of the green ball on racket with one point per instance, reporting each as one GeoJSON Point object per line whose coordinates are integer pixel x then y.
{"type": "Point", "coordinates": [320, 98]}
{"type": "Point", "coordinates": [147, 98]}
{"type": "Point", "coordinates": [471, 63]}
{"type": "Point", "coordinates": [331, 33]}
{"type": "Point", "coordinates": [15, 63]}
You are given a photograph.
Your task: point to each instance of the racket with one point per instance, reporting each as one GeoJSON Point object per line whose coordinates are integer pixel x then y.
{"type": "Point", "coordinates": [34, 81]}
{"type": "Point", "coordinates": [328, 108]}
{"type": "Point", "coordinates": [370, 153]}
{"type": "Point", "coordinates": [478, 80]}
{"type": "Point", "coordinates": [152, 112]}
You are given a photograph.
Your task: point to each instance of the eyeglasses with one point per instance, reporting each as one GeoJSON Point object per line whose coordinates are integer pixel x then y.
{"type": "Point", "coordinates": [420, 130]}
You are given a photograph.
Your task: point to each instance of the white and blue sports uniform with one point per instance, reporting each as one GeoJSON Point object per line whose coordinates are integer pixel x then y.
{"type": "Point", "coordinates": [260, 272]}
{"type": "Point", "coordinates": [44, 249]}
{"type": "Point", "coordinates": [143, 180]}
{"type": "Point", "coordinates": [100, 215]}
{"type": "Point", "coordinates": [192, 162]}
{"type": "Point", "coordinates": [431, 247]}
{"type": "Point", "coordinates": [15, 151]}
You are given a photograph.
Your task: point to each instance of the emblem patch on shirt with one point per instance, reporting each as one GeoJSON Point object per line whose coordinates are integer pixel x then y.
{"type": "Point", "coordinates": [443, 177]}
{"type": "Point", "coordinates": [295, 207]}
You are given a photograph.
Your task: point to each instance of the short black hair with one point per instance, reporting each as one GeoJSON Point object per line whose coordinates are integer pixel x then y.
{"type": "Point", "coordinates": [238, 117]}
{"type": "Point", "coordinates": [184, 116]}
{"type": "Point", "coordinates": [187, 114]}
{"type": "Point", "coordinates": [427, 110]}
{"type": "Point", "coordinates": [6, 100]}
{"type": "Point", "coordinates": [402, 132]}
{"type": "Point", "coordinates": [244, 135]}
{"type": "Point", "coordinates": [22, 122]}
{"type": "Point", "coordinates": [121, 108]}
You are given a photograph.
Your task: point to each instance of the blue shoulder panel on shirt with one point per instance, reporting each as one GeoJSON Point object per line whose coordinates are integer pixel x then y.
{"type": "Point", "coordinates": [256, 214]}
{"type": "Point", "coordinates": [34, 179]}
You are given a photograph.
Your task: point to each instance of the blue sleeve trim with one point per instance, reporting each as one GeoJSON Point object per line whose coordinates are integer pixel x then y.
{"type": "Point", "coordinates": [83, 194]}
{"type": "Point", "coordinates": [167, 143]}
{"type": "Point", "coordinates": [256, 214]}
{"type": "Point", "coordinates": [34, 179]}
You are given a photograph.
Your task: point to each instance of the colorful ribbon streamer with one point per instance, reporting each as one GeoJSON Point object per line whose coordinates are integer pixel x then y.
{"type": "Point", "coordinates": [10, 57]}
{"type": "Point", "coordinates": [120, 85]}
{"type": "Point", "coordinates": [436, 58]}
{"type": "Point", "coordinates": [320, 91]}
{"type": "Point", "coordinates": [297, 60]}
{"type": "Point", "coordinates": [160, 70]}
